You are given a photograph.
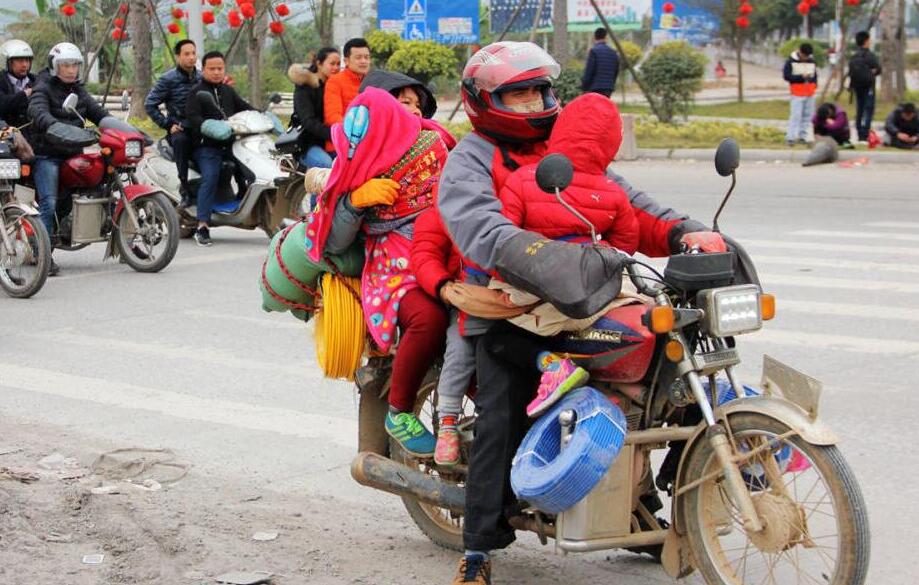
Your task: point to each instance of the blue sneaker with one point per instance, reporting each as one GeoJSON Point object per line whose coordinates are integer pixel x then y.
{"type": "Point", "coordinates": [411, 435]}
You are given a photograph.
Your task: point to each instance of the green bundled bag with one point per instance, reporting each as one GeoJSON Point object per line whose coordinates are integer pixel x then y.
{"type": "Point", "coordinates": [296, 290]}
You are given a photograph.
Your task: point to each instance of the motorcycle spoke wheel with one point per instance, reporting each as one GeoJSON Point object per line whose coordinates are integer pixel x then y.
{"type": "Point", "coordinates": [152, 245]}
{"type": "Point", "coordinates": [23, 270]}
{"type": "Point", "coordinates": [816, 528]}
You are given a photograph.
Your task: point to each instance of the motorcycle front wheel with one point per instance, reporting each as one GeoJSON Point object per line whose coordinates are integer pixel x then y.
{"type": "Point", "coordinates": [24, 270]}
{"type": "Point", "coordinates": [816, 524]}
{"type": "Point", "coordinates": [153, 246]}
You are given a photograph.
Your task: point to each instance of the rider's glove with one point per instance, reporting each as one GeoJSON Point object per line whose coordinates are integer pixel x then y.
{"type": "Point", "coordinates": [216, 130]}
{"type": "Point", "coordinates": [375, 192]}
{"type": "Point", "coordinates": [708, 242]}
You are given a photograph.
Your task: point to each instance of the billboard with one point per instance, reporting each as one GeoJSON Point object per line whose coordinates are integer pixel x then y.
{"type": "Point", "coordinates": [620, 14]}
{"type": "Point", "coordinates": [691, 20]}
{"type": "Point", "coordinates": [450, 22]}
{"type": "Point", "coordinates": [503, 10]}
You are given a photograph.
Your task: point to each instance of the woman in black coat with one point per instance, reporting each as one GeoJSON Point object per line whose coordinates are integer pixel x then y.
{"type": "Point", "coordinates": [310, 87]}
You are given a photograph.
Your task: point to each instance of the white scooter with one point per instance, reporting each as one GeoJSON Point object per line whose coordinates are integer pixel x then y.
{"type": "Point", "coordinates": [266, 202]}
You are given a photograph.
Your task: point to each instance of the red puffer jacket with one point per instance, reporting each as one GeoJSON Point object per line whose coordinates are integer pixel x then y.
{"type": "Point", "coordinates": [588, 131]}
{"type": "Point", "coordinates": [435, 259]}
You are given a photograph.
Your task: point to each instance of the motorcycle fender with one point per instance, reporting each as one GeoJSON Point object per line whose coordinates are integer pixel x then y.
{"type": "Point", "coordinates": [27, 209]}
{"type": "Point", "coordinates": [784, 411]}
{"type": "Point", "coordinates": [132, 192]}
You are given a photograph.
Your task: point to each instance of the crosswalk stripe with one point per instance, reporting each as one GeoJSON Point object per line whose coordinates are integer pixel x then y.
{"type": "Point", "coordinates": [847, 310]}
{"type": "Point", "coordinates": [858, 235]}
{"type": "Point", "coordinates": [891, 251]}
{"type": "Point", "coordinates": [294, 423]}
{"type": "Point", "coordinates": [840, 264]}
{"type": "Point", "coordinates": [894, 224]}
{"type": "Point", "coordinates": [834, 342]}
{"type": "Point", "coordinates": [770, 279]}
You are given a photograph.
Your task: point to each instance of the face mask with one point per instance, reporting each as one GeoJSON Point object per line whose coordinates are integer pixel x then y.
{"type": "Point", "coordinates": [528, 107]}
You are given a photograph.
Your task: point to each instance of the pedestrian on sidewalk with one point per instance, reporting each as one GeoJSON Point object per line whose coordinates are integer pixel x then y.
{"type": "Point", "coordinates": [801, 74]}
{"type": "Point", "coordinates": [602, 67]}
{"type": "Point", "coordinates": [864, 68]}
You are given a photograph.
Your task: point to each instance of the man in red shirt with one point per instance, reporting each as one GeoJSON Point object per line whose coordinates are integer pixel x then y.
{"type": "Point", "coordinates": [343, 87]}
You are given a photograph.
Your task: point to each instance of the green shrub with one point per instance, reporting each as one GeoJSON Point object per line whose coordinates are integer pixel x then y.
{"type": "Point", "coordinates": [568, 85]}
{"type": "Point", "coordinates": [383, 45]}
{"type": "Point", "coordinates": [633, 53]}
{"type": "Point", "coordinates": [673, 74]}
{"type": "Point", "coordinates": [424, 60]}
{"type": "Point", "coordinates": [912, 61]}
{"type": "Point", "coordinates": [821, 49]}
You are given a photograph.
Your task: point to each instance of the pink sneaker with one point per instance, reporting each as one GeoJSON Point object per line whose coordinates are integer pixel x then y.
{"type": "Point", "coordinates": [447, 451]}
{"type": "Point", "coordinates": [563, 377]}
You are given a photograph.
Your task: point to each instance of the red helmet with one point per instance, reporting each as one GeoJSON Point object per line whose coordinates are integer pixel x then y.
{"type": "Point", "coordinates": [504, 66]}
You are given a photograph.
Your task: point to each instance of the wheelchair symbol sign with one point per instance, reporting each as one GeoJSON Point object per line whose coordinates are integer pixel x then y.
{"type": "Point", "coordinates": [416, 31]}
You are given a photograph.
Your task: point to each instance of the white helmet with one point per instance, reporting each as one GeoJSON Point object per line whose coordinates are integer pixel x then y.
{"type": "Point", "coordinates": [15, 49]}
{"type": "Point", "coordinates": [63, 53]}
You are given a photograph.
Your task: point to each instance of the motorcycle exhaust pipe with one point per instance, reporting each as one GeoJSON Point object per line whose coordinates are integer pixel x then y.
{"type": "Point", "coordinates": [375, 471]}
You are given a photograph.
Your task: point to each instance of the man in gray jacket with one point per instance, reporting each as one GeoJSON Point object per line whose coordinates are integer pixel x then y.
{"type": "Point", "coordinates": [508, 97]}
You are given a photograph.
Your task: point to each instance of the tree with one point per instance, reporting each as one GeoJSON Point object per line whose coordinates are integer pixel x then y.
{"type": "Point", "coordinates": [323, 13]}
{"type": "Point", "coordinates": [560, 35]}
{"type": "Point", "coordinates": [382, 45]}
{"type": "Point", "coordinates": [256, 40]}
{"type": "Point", "coordinates": [424, 60]}
{"type": "Point", "coordinates": [673, 74]}
{"type": "Point", "coordinates": [142, 45]}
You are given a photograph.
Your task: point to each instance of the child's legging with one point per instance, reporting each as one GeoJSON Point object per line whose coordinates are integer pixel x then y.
{"type": "Point", "coordinates": [423, 327]}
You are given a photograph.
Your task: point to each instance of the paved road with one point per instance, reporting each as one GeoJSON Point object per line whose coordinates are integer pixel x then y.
{"type": "Point", "coordinates": [185, 359]}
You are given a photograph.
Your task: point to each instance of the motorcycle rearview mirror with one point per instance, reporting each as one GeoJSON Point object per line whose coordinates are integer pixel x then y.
{"type": "Point", "coordinates": [70, 105]}
{"type": "Point", "coordinates": [727, 159]}
{"type": "Point", "coordinates": [274, 98]}
{"type": "Point", "coordinates": [553, 175]}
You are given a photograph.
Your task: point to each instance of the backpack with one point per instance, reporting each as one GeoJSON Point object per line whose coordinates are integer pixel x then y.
{"type": "Point", "coordinates": [860, 74]}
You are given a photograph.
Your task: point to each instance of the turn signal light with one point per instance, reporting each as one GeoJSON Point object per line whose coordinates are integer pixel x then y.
{"type": "Point", "coordinates": [25, 170]}
{"type": "Point", "coordinates": [662, 319]}
{"type": "Point", "coordinates": [107, 151]}
{"type": "Point", "coordinates": [674, 350]}
{"type": "Point", "coordinates": [767, 306]}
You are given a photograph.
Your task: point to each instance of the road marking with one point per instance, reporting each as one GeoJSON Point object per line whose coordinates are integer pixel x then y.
{"type": "Point", "coordinates": [840, 264]}
{"type": "Point", "coordinates": [894, 224]}
{"type": "Point", "coordinates": [271, 320]}
{"type": "Point", "coordinates": [195, 260]}
{"type": "Point", "coordinates": [835, 342]}
{"type": "Point", "coordinates": [819, 247]}
{"type": "Point", "coordinates": [889, 286]}
{"type": "Point", "coordinates": [858, 235]}
{"type": "Point", "coordinates": [848, 310]}
{"type": "Point", "coordinates": [199, 353]}
{"type": "Point", "coordinates": [294, 423]}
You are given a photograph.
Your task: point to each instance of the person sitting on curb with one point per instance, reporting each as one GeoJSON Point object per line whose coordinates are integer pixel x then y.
{"type": "Point", "coordinates": [831, 120]}
{"type": "Point", "coordinates": [902, 127]}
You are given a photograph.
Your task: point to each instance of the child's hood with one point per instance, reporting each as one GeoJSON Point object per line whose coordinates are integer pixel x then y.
{"type": "Point", "coordinates": [589, 132]}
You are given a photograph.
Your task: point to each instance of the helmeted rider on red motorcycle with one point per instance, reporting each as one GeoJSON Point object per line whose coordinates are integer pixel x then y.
{"type": "Point", "coordinates": [507, 94]}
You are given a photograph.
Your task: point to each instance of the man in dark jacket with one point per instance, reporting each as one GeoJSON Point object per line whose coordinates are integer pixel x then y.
{"type": "Point", "coordinates": [172, 89]}
{"type": "Point", "coordinates": [213, 135]}
{"type": "Point", "coordinates": [46, 108]}
{"type": "Point", "coordinates": [602, 67]}
{"type": "Point", "coordinates": [16, 82]}
{"type": "Point", "coordinates": [902, 127]}
{"type": "Point", "coordinates": [864, 68]}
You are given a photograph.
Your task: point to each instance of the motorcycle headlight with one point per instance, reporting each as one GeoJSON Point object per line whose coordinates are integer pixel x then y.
{"type": "Point", "coordinates": [134, 149]}
{"type": "Point", "coordinates": [10, 169]}
{"type": "Point", "coordinates": [731, 310]}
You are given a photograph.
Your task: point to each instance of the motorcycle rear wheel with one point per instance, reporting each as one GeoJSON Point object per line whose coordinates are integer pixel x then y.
{"type": "Point", "coordinates": [159, 224]}
{"type": "Point", "coordinates": [31, 239]}
{"type": "Point", "coordinates": [816, 527]}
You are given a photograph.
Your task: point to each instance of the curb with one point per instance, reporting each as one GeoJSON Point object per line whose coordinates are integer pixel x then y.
{"type": "Point", "coordinates": [776, 156]}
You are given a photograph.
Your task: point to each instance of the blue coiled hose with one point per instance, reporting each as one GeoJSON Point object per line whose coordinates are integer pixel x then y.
{"type": "Point", "coordinates": [552, 479]}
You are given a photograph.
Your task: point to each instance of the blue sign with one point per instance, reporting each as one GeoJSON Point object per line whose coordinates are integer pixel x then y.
{"type": "Point", "coordinates": [449, 22]}
{"type": "Point", "coordinates": [691, 20]}
{"type": "Point", "coordinates": [503, 10]}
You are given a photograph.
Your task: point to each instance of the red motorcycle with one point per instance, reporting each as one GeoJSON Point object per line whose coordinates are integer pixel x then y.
{"type": "Point", "coordinates": [105, 203]}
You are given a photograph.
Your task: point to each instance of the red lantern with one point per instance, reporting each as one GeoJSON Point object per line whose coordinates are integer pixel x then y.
{"type": "Point", "coordinates": [177, 13]}
{"type": "Point", "coordinates": [813, 3]}
{"type": "Point", "coordinates": [276, 27]}
{"type": "Point", "coordinates": [118, 22]}
{"type": "Point", "coordinates": [118, 34]}
{"type": "Point", "coordinates": [234, 19]}
{"type": "Point", "coordinates": [173, 28]}
{"type": "Point", "coordinates": [745, 9]}
{"type": "Point", "coordinates": [207, 17]}
{"type": "Point", "coordinates": [247, 9]}
{"type": "Point", "coordinates": [68, 10]}
{"type": "Point", "coordinates": [282, 9]}
{"type": "Point", "coordinates": [742, 22]}
{"type": "Point", "coordinates": [852, 2]}
{"type": "Point", "coordinates": [804, 7]}
{"type": "Point", "coordinates": [215, 2]}
{"type": "Point", "coordinates": [181, 1]}
{"type": "Point", "coordinates": [123, 8]}
{"type": "Point", "coordinates": [72, 1]}
{"type": "Point", "coordinates": [668, 7]}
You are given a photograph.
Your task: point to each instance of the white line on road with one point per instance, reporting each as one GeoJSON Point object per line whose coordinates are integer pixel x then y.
{"type": "Point", "coordinates": [820, 247]}
{"type": "Point", "coordinates": [338, 430]}
{"type": "Point", "coordinates": [770, 279]}
{"type": "Point", "coordinates": [858, 235]}
{"type": "Point", "coordinates": [836, 342]}
{"type": "Point", "coordinates": [891, 312]}
{"type": "Point", "coordinates": [894, 224]}
{"type": "Point", "coordinates": [841, 264]}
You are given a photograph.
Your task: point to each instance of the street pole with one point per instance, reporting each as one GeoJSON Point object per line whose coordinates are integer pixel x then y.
{"type": "Point", "coordinates": [196, 26]}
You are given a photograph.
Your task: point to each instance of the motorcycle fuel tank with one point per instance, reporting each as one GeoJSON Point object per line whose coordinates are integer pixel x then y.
{"type": "Point", "coordinates": [83, 170]}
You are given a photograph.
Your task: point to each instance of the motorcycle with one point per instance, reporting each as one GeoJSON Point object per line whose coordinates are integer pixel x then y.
{"type": "Point", "coordinates": [105, 203]}
{"type": "Point", "coordinates": [270, 196]}
{"type": "Point", "coordinates": [759, 492]}
{"type": "Point", "coordinates": [25, 248]}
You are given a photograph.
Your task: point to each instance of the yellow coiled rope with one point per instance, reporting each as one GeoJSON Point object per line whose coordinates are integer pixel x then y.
{"type": "Point", "coordinates": [340, 327]}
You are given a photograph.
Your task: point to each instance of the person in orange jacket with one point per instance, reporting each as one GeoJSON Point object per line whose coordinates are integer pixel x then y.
{"type": "Point", "coordinates": [344, 86]}
{"type": "Point", "coordinates": [801, 74]}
